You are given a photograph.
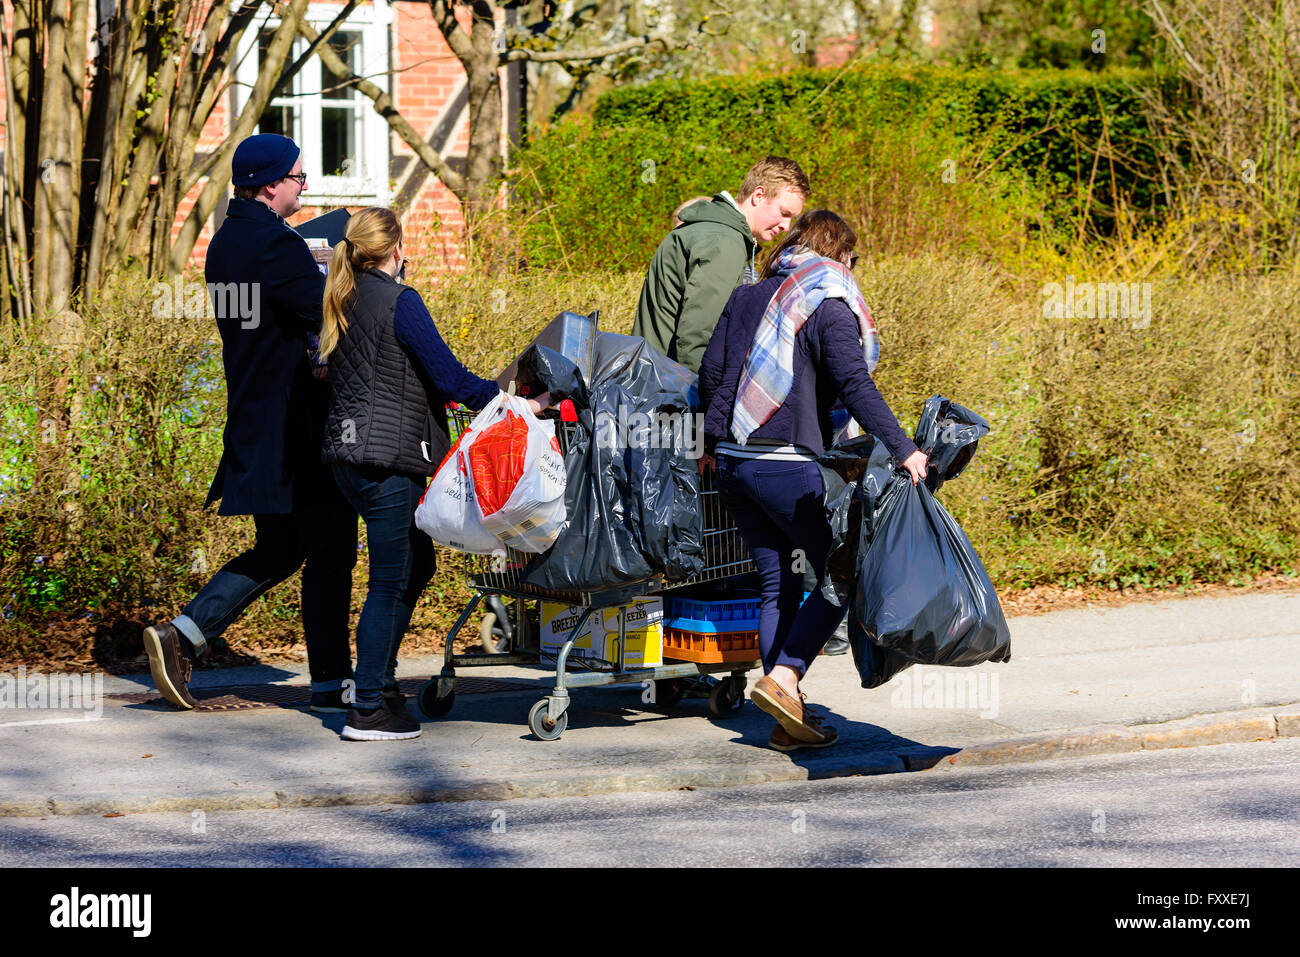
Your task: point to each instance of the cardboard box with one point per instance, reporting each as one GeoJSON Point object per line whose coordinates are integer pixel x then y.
{"type": "Point", "coordinates": [321, 252]}
{"type": "Point", "coordinates": [643, 637]}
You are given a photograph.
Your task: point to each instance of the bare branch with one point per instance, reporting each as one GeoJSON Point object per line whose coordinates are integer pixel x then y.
{"type": "Point", "coordinates": [277, 52]}
{"type": "Point", "coordinates": [597, 53]}
{"type": "Point", "coordinates": [152, 139]}
{"type": "Point", "coordinates": [1157, 13]}
{"type": "Point", "coordinates": [444, 15]}
{"type": "Point", "coordinates": [384, 107]}
{"type": "Point", "coordinates": [322, 37]}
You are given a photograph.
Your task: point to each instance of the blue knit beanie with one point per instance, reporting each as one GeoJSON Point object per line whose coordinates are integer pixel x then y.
{"type": "Point", "coordinates": [263, 159]}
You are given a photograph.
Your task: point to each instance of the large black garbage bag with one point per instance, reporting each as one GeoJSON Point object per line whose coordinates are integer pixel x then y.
{"type": "Point", "coordinates": [540, 369]}
{"type": "Point", "coordinates": [853, 473]}
{"type": "Point", "coordinates": [922, 593]}
{"type": "Point", "coordinates": [633, 494]}
{"type": "Point", "coordinates": [948, 434]}
{"type": "Point", "coordinates": [923, 585]}
{"type": "Point", "coordinates": [840, 503]}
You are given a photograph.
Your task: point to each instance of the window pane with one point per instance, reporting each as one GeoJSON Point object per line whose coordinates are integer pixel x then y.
{"type": "Point", "coordinates": [338, 129]}
{"type": "Point", "coordinates": [264, 38]}
{"type": "Point", "coordinates": [345, 44]}
{"type": "Point", "coordinates": [277, 119]}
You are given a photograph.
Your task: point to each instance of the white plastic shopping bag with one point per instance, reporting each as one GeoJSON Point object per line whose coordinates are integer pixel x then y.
{"type": "Point", "coordinates": [447, 513]}
{"type": "Point", "coordinates": [517, 472]}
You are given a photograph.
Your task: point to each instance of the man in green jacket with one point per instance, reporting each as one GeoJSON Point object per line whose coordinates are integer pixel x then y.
{"type": "Point", "coordinates": [699, 263]}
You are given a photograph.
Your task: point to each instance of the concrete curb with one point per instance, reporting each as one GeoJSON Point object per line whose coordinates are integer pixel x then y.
{"type": "Point", "coordinates": [1260, 724]}
{"type": "Point", "coordinates": [1225, 728]}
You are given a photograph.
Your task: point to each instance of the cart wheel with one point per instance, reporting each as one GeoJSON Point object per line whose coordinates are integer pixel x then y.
{"type": "Point", "coordinates": [726, 699]}
{"type": "Point", "coordinates": [668, 692]}
{"type": "Point", "coordinates": [431, 704]}
{"type": "Point", "coordinates": [540, 725]}
{"type": "Point", "coordinates": [492, 636]}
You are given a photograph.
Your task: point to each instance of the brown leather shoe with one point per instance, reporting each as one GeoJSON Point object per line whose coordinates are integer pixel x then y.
{"type": "Point", "coordinates": [781, 741]}
{"type": "Point", "coordinates": [169, 664]}
{"type": "Point", "coordinates": [786, 708]}
{"type": "Point", "coordinates": [814, 732]}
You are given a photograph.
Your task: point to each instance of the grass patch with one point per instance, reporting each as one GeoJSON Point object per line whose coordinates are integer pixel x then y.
{"type": "Point", "coordinates": [1120, 457]}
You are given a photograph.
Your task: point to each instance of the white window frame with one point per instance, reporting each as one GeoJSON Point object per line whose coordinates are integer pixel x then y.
{"type": "Point", "coordinates": [370, 184]}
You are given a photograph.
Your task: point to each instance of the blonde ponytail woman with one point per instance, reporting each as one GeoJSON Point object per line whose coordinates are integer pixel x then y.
{"type": "Point", "coordinates": [391, 375]}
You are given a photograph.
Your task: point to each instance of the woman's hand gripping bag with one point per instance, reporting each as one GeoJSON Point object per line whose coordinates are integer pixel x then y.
{"type": "Point", "coordinates": [518, 475]}
{"type": "Point", "coordinates": [447, 512]}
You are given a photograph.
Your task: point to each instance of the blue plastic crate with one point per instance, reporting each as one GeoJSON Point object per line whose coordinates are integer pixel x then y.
{"type": "Point", "coordinates": [712, 617]}
{"type": "Point", "coordinates": [703, 627]}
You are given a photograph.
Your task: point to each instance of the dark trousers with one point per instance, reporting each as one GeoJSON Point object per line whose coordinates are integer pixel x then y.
{"type": "Point", "coordinates": [401, 564]}
{"type": "Point", "coordinates": [323, 542]}
{"type": "Point", "coordinates": [778, 508]}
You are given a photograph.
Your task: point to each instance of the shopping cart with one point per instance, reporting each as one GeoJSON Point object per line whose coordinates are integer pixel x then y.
{"type": "Point", "coordinates": [501, 576]}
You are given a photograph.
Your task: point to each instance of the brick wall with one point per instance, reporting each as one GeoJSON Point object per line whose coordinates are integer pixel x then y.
{"type": "Point", "coordinates": [427, 88]}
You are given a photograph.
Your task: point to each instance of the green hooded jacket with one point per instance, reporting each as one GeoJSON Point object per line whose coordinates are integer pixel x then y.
{"type": "Point", "coordinates": [690, 278]}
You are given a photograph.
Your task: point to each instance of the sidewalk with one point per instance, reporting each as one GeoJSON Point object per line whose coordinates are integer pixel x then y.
{"type": "Point", "coordinates": [1163, 674]}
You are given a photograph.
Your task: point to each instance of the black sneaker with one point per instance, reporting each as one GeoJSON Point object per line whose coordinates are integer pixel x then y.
{"type": "Point", "coordinates": [170, 663]}
{"type": "Point", "coordinates": [395, 702]}
{"type": "Point", "coordinates": [379, 724]}
{"type": "Point", "coordinates": [330, 702]}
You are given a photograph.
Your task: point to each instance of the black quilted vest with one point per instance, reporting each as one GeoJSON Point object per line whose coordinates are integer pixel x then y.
{"type": "Point", "coordinates": [383, 409]}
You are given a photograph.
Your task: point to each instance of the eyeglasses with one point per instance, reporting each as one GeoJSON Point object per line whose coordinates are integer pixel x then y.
{"type": "Point", "coordinates": [300, 177]}
{"type": "Point", "coordinates": [853, 261]}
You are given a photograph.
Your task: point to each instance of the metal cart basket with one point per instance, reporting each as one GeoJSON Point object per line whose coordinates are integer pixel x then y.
{"type": "Point", "coordinates": [501, 576]}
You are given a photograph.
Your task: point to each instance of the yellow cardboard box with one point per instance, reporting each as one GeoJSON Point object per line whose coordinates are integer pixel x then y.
{"type": "Point", "coordinates": [644, 634]}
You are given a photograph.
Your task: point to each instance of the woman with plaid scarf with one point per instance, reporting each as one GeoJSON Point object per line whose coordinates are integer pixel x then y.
{"type": "Point", "coordinates": [785, 349]}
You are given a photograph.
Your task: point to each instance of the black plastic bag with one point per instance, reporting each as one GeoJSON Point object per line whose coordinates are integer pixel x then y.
{"type": "Point", "coordinates": [853, 473]}
{"type": "Point", "coordinates": [840, 504]}
{"type": "Point", "coordinates": [948, 434]}
{"type": "Point", "coordinates": [570, 334]}
{"type": "Point", "coordinates": [633, 493]}
{"type": "Point", "coordinates": [922, 586]}
{"type": "Point", "coordinates": [540, 369]}
{"type": "Point", "coordinates": [922, 594]}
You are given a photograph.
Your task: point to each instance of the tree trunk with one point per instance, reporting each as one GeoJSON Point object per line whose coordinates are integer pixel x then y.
{"type": "Point", "coordinates": [219, 179]}
{"type": "Point", "coordinates": [107, 135]}
{"type": "Point", "coordinates": [53, 164]}
{"type": "Point", "coordinates": [483, 158]}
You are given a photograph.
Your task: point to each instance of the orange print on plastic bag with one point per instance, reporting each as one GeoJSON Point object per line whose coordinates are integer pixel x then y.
{"type": "Point", "coordinates": [496, 461]}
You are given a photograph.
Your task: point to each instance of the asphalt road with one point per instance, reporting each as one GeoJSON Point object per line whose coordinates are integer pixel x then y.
{"type": "Point", "coordinates": [1221, 806]}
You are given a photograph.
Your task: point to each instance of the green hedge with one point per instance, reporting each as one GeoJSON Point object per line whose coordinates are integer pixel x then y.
{"type": "Point", "coordinates": [1083, 107]}
{"type": "Point", "coordinates": [594, 199]}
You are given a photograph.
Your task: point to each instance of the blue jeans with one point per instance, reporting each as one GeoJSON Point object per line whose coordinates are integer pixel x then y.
{"type": "Point", "coordinates": [778, 508]}
{"type": "Point", "coordinates": [325, 539]}
{"type": "Point", "coordinates": [401, 564]}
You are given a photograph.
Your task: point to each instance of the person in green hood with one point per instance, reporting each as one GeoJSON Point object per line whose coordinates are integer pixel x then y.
{"type": "Point", "coordinates": [712, 252]}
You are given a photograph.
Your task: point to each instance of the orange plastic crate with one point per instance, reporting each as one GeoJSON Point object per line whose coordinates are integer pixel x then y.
{"type": "Point", "coordinates": [724, 646]}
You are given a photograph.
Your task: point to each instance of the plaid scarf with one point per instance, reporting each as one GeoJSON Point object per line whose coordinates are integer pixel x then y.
{"type": "Point", "coordinates": [768, 375]}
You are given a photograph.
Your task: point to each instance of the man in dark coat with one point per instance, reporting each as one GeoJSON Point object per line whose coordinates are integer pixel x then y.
{"type": "Point", "coordinates": [267, 290]}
